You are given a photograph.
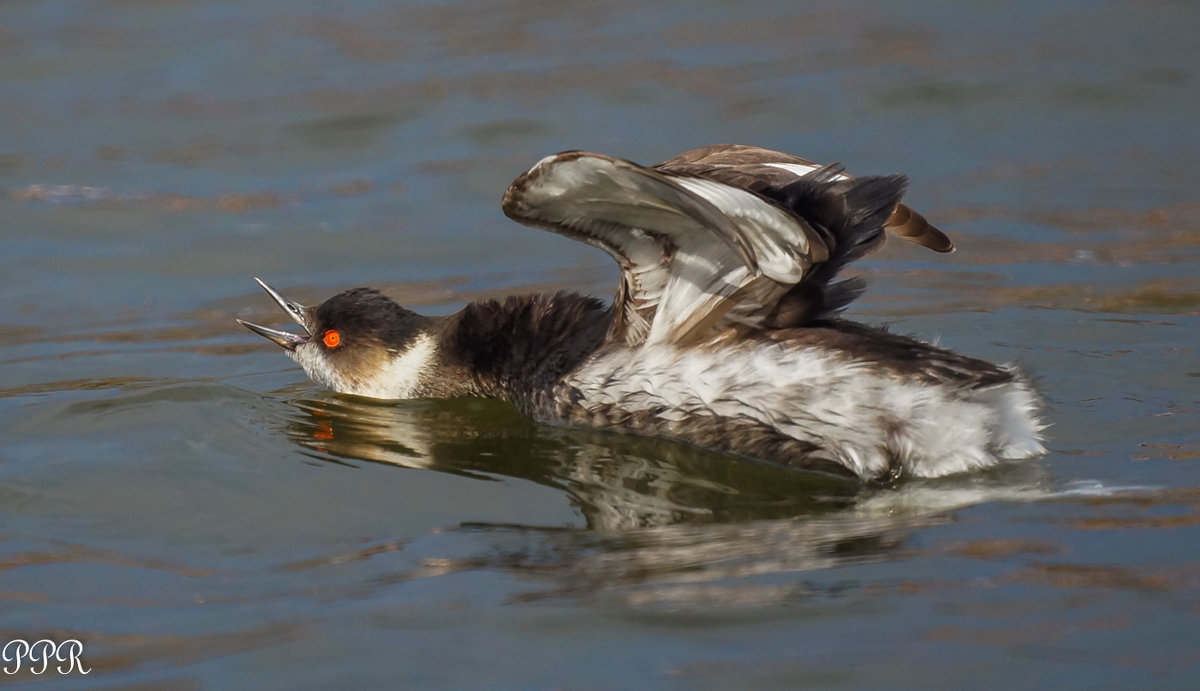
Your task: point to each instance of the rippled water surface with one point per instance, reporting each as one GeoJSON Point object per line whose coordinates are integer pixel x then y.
{"type": "Point", "coordinates": [178, 497]}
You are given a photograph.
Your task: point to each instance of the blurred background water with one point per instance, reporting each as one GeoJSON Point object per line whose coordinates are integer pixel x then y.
{"type": "Point", "coordinates": [177, 496]}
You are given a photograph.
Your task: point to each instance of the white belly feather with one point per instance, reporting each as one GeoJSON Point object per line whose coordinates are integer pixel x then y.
{"type": "Point", "coordinates": [864, 416]}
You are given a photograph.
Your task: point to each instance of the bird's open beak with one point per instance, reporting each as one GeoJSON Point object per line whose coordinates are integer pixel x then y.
{"type": "Point", "coordinates": [283, 339]}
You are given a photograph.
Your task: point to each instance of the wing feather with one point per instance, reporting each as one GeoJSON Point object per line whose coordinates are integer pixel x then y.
{"type": "Point", "coordinates": [758, 169]}
{"type": "Point", "coordinates": [686, 246]}
{"type": "Point", "coordinates": [717, 237]}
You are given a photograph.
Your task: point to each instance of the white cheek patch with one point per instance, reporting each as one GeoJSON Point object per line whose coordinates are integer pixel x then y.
{"type": "Point", "coordinates": [403, 373]}
{"type": "Point", "coordinates": [398, 377]}
{"type": "Point", "coordinates": [310, 358]}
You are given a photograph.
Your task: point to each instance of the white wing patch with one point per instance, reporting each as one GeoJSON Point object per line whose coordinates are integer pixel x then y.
{"type": "Point", "coordinates": [802, 169]}
{"type": "Point", "coordinates": [781, 245]}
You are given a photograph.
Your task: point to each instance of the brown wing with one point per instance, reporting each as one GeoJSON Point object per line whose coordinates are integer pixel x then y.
{"type": "Point", "coordinates": [714, 238]}
{"type": "Point", "coordinates": [733, 155]}
{"type": "Point", "coordinates": [692, 251]}
{"type": "Point", "coordinates": [761, 170]}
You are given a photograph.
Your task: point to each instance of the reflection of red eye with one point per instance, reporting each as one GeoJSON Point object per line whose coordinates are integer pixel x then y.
{"type": "Point", "coordinates": [332, 338]}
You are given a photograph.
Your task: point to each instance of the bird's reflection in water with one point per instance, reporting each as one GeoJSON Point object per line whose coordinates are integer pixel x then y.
{"type": "Point", "coordinates": [657, 512]}
{"type": "Point", "coordinates": [618, 482]}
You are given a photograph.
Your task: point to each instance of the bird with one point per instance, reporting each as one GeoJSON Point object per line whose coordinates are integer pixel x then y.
{"type": "Point", "coordinates": [726, 330]}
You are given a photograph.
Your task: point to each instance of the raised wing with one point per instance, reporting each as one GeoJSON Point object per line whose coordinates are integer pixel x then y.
{"type": "Point", "coordinates": [689, 248]}
{"type": "Point", "coordinates": [704, 246]}
{"type": "Point", "coordinates": [760, 170]}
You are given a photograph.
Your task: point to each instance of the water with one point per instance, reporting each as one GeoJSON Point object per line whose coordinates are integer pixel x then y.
{"type": "Point", "coordinates": [175, 495]}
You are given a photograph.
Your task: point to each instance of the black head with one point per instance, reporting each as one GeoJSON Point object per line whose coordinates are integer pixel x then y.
{"type": "Point", "coordinates": [363, 317]}
{"type": "Point", "coordinates": [353, 341]}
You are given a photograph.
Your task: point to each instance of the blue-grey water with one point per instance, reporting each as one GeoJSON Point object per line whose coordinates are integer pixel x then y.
{"type": "Point", "coordinates": [175, 494]}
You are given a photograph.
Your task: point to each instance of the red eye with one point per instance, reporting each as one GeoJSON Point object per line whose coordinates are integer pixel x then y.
{"type": "Point", "coordinates": [332, 338]}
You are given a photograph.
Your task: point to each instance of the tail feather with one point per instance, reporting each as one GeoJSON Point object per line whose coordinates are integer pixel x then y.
{"type": "Point", "coordinates": [912, 226]}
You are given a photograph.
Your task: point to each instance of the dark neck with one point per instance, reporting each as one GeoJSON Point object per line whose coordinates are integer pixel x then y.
{"type": "Point", "coordinates": [518, 347]}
